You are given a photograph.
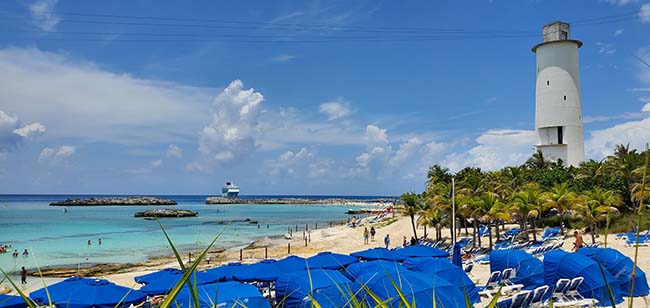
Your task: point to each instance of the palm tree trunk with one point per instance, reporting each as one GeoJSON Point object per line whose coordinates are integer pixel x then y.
{"type": "Point", "coordinates": [466, 229]}
{"type": "Point", "coordinates": [415, 232]}
{"type": "Point", "coordinates": [593, 233]}
{"type": "Point", "coordinates": [496, 227]}
{"type": "Point", "coordinates": [534, 230]}
{"type": "Point", "coordinates": [561, 222]}
{"type": "Point", "coordinates": [474, 233]}
{"type": "Point", "coordinates": [425, 231]}
{"type": "Point", "coordinates": [490, 233]}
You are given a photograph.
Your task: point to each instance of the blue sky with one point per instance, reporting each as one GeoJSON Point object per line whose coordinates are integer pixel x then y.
{"type": "Point", "coordinates": [286, 97]}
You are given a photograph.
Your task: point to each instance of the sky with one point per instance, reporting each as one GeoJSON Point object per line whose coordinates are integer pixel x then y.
{"type": "Point", "coordinates": [296, 97]}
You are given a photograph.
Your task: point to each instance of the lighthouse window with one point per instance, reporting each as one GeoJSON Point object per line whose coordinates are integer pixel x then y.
{"type": "Point", "coordinates": [548, 82]}
{"type": "Point", "coordinates": [565, 97]}
{"type": "Point", "coordinates": [559, 135]}
{"type": "Point", "coordinates": [564, 35]}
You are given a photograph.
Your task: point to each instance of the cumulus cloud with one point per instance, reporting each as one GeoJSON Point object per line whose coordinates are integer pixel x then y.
{"type": "Point", "coordinates": [604, 48]}
{"type": "Point", "coordinates": [156, 163]}
{"type": "Point", "coordinates": [30, 130]}
{"type": "Point", "coordinates": [12, 132]}
{"type": "Point", "coordinates": [54, 156]}
{"type": "Point", "coordinates": [644, 13]}
{"type": "Point", "coordinates": [602, 142]}
{"type": "Point", "coordinates": [43, 15]}
{"type": "Point", "coordinates": [232, 130]}
{"type": "Point", "coordinates": [174, 152]}
{"type": "Point", "coordinates": [646, 107]}
{"type": "Point", "coordinates": [335, 110]}
{"type": "Point", "coordinates": [496, 148]}
{"type": "Point", "coordinates": [300, 164]}
{"type": "Point", "coordinates": [375, 136]}
{"type": "Point", "coordinates": [618, 32]}
{"type": "Point", "coordinates": [106, 106]}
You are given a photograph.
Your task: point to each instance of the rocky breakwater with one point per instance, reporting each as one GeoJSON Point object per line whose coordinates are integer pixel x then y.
{"type": "Point", "coordinates": [106, 201]}
{"type": "Point", "coordinates": [329, 201]}
{"type": "Point", "coordinates": [166, 213]}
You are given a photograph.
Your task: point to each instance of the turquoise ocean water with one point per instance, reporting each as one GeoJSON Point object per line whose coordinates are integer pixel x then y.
{"type": "Point", "coordinates": [54, 237]}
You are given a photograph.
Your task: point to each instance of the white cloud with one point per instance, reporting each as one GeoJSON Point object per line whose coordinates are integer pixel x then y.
{"type": "Point", "coordinates": [156, 163]}
{"type": "Point", "coordinates": [646, 107]}
{"type": "Point", "coordinates": [233, 128]}
{"type": "Point", "coordinates": [496, 148]}
{"type": "Point", "coordinates": [644, 13]}
{"type": "Point", "coordinates": [604, 48]}
{"type": "Point", "coordinates": [43, 15]}
{"type": "Point", "coordinates": [106, 107]}
{"type": "Point", "coordinates": [30, 130]}
{"type": "Point", "coordinates": [174, 152]}
{"type": "Point", "coordinates": [406, 151]}
{"type": "Point", "coordinates": [12, 133]}
{"type": "Point", "coordinates": [335, 110]}
{"type": "Point", "coordinates": [283, 58]}
{"type": "Point", "coordinates": [375, 136]}
{"type": "Point", "coordinates": [602, 142]}
{"type": "Point", "coordinates": [618, 32]}
{"type": "Point", "coordinates": [301, 164]}
{"type": "Point", "coordinates": [56, 156]}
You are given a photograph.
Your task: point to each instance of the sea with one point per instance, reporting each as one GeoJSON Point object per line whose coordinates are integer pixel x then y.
{"type": "Point", "coordinates": [58, 236]}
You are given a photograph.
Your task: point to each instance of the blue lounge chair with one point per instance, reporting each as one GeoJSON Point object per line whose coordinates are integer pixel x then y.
{"type": "Point", "coordinates": [468, 268]}
{"type": "Point", "coordinates": [558, 295]}
{"type": "Point", "coordinates": [537, 299]}
{"type": "Point", "coordinates": [490, 285]}
{"type": "Point", "coordinates": [520, 300]}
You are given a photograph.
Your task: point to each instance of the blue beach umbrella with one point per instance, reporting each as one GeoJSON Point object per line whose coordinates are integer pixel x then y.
{"type": "Point", "coordinates": [379, 253]}
{"type": "Point", "coordinates": [7, 301]}
{"type": "Point", "coordinates": [329, 260]}
{"type": "Point", "coordinates": [224, 272]}
{"type": "Point", "coordinates": [329, 288]}
{"type": "Point", "coordinates": [147, 278]}
{"type": "Point", "coordinates": [560, 264]}
{"type": "Point", "coordinates": [529, 270]}
{"type": "Point", "coordinates": [456, 259]}
{"type": "Point", "coordinates": [621, 267]}
{"type": "Point", "coordinates": [291, 264]}
{"type": "Point", "coordinates": [382, 278]}
{"type": "Point", "coordinates": [97, 293]}
{"type": "Point", "coordinates": [164, 283]}
{"type": "Point", "coordinates": [421, 251]}
{"type": "Point", "coordinates": [263, 271]}
{"type": "Point", "coordinates": [222, 294]}
{"type": "Point", "coordinates": [447, 270]}
{"type": "Point", "coordinates": [40, 295]}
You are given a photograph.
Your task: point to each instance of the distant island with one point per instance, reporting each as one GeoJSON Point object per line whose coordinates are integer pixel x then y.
{"type": "Point", "coordinates": [107, 201]}
{"type": "Point", "coordinates": [166, 213]}
{"type": "Point", "coordinates": [329, 201]}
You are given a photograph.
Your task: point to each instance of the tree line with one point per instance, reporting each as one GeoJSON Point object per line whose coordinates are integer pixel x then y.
{"type": "Point", "coordinates": [593, 193]}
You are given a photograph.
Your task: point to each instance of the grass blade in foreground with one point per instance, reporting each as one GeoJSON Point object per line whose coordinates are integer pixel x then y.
{"type": "Point", "coordinates": [638, 223]}
{"type": "Point", "coordinates": [27, 300]}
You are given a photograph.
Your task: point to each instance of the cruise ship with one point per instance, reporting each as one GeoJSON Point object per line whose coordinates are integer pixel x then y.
{"type": "Point", "coordinates": [230, 190]}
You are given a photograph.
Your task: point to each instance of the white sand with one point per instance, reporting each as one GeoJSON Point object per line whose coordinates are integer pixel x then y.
{"type": "Point", "coordinates": [346, 240]}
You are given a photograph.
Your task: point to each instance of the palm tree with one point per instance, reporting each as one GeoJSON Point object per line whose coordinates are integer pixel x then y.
{"type": "Point", "coordinates": [596, 206]}
{"type": "Point", "coordinates": [537, 161]}
{"type": "Point", "coordinates": [622, 164]}
{"type": "Point", "coordinates": [413, 206]}
{"type": "Point", "coordinates": [562, 199]}
{"type": "Point", "coordinates": [526, 205]}
{"type": "Point", "coordinates": [484, 209]}
{"type": "Point", "coordinates": [435, 218]}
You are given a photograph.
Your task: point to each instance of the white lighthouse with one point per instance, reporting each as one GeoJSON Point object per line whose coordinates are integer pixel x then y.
{"type": "Point", "coordinates": [558, 111]}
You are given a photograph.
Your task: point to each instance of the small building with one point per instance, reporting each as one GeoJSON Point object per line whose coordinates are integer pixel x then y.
{"type": "Point", "coordinates": [558, 110]}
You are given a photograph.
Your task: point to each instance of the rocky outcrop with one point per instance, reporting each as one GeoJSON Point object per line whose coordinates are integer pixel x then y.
{"type": "Point", "coordinates": [331, 201]}
{"type": "Point", "coordinates": [166, 213]}
{"type": "Point", "coordinates": [131, 200]}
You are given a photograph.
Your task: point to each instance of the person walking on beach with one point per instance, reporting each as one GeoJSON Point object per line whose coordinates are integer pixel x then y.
{"type": "Point", "coordinates": [387, 240]}
{"type": "Point", "coordinates": [23, 276]}
{"type": "Point", "coordinates": [579, 241]}
{"type": "Point", "coordinates": [366, 234]}
{"type": "Point", "coordinates": [372, 233]}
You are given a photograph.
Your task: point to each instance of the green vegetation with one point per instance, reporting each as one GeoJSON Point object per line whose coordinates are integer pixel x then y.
{"type": "Point", "coordinates": [539, 193]}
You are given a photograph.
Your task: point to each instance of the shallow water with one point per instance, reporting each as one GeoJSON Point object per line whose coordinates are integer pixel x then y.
{"type": "Point", "coordinates": [54, 237]}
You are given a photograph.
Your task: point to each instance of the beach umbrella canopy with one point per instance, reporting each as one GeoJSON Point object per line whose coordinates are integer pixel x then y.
{"type": "Point", "coordinates": [450, 272]}
{"type": "Point", "coordinates": [385, 278]}
{"type": "Point", "coordinates": [222, 294]}
{"type": "Point", "coordinates": [621, 267]}
{"type": "Point", "coordinates": [40, 295]}
{"type": "Point", "coordinates": [328, 288]}
{"type": "Point", "coordinates": [225, 272]}
{"type": "Point", "coordinates": [421, 251]}
{"type": "Point", "coordinates": [291, 264]}
{"type": "Point", "coordinates": [97, 293]}
{"type": "Point", "coordinates": [560, 264]}
{"type": "Point", "coordinates": [164, 283]}
{"type": "Point", "coordinates": [8, 301]}
{"type": "Point", "coordinates": [263, 271]}
{"type": "Point", "coordinates": [329, 260]}
{"type": "Point", "coordinates": [529, 270]}
{"type": "Point", "coordinates": [379, 253]}
{"type": "Point", "coordinates": [455, 257]}
{"type": "Point", "coordinates": [147, 278]}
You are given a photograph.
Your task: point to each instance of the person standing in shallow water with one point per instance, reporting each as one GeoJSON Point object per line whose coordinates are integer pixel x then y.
{"type": "Point", "coordinates": [366, 234]}
{"type": "Point", "coordinates": [372, 233]}
{"type": "Point", "coordinates": [387, 240]}
{"type": "Point", "coordinates": [23, 276]}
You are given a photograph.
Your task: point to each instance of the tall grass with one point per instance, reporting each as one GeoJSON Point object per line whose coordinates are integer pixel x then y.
{"type": "Point", "coordinates": [638, 229]}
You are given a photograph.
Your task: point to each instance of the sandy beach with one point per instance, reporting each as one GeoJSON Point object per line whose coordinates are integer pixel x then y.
{"type": "Point", "coordinates": [340, 239]}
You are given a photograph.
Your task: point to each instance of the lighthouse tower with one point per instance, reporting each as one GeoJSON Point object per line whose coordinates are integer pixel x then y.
{"type": "Point", "coordinates": [558, 111]}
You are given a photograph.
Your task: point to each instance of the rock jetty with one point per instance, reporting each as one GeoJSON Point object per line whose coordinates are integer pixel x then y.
{"type": "Point", "coordinates": [166, 213]}
{"type": "Point", "coordinates": [330, 201]}
{"type": "Point", "coordinates": [131, 200]}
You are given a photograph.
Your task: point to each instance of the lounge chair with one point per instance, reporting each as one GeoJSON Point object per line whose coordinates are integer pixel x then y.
{"type": "Point", "coordinates": [571, 292]}
{"type": "Point", "coordinates": [468, 269]}
{"type": "Point", "coordinates": [490, 284]}
{"type": "Point", "coordinates": [519, 300]}
{"type": "Point", "coordinates": [508, 286]}
{"type": "Point", "coordinates": [631, 241]}
{"type": "Point", "coordinates": [558, 296]}
{"type": "Point", "coordinates": [537, 299]}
